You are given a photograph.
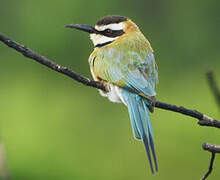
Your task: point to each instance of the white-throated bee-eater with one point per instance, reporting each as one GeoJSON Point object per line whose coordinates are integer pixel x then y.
{"type": "Point", "coordinates": [124, 63]}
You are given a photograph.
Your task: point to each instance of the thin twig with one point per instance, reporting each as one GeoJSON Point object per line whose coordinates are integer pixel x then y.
{"type": "Point", "coordinates": [210, 166]}
{"type": "Point", "coordinates": [204, 120]}
{"type": "Point", "coordinates": [213, 85]}
{"type": "Point", "coordinates": [213, 149]}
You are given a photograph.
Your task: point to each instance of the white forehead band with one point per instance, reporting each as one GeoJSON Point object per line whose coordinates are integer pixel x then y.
{"type": "Point", "coordinates": [115, 26]}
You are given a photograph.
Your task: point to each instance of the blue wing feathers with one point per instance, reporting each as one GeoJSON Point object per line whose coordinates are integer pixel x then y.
{"type": "Point", "coordinates": [138, 72]}
{"type": "Point", "coordinates": [132, 113]}
{"type": "Point", "coordinates": [133, 123]}
{"type": "Point", "coordinates": [140, 120]}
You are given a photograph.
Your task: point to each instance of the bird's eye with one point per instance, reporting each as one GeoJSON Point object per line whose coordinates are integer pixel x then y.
{"type": "Point", "coordinates": [108, 31]}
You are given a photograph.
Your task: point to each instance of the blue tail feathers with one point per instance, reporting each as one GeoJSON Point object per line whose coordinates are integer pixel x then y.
{"type": "Point", "coordinates": [140, 121]}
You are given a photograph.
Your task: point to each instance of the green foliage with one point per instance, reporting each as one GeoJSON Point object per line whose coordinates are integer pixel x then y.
{"type": "Point", "coordinates": [55, 128]}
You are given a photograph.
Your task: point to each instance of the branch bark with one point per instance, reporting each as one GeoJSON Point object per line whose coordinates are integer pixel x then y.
{"type": "Point", "coordinates": [213, 148]}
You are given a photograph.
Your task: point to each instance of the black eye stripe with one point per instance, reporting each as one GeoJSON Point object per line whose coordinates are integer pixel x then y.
{"type": "Point", "coordinates": [114, 33]}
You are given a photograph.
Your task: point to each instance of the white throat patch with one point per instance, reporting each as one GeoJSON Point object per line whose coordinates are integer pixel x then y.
{"type": "Point", "coordinates": [100, 39]}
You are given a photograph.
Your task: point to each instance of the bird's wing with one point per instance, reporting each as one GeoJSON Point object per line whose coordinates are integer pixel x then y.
{"type": "Point", "coordinates": [134, 70]}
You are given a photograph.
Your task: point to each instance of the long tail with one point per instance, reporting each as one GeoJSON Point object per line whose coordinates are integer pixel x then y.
{"type": "Point", "coordinates": [140, 121]}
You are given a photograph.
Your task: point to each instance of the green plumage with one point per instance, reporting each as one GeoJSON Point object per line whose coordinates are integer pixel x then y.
{"type": "Point", "coordinates": [128, 62]}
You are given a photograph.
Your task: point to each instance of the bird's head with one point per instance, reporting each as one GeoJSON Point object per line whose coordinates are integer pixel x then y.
{"type": "Point", "coordinates": [107, 29]}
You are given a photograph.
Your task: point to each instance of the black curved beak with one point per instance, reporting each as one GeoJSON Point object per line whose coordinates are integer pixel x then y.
{"type": "Point", "coordinates": [82, 27]}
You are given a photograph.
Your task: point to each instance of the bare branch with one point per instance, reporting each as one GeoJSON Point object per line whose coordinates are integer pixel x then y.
{"type": "Point", "coordinates": [213, 148]}
{"type": "Point", "coordinates": [210, 166]}
{"type": "Point", "coordinates": [204, 120]}
{"type": "Point", "coordinates": [213, 85]}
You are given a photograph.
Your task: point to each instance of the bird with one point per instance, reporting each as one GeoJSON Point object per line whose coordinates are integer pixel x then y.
{"type": "Point", "coordinates": [123, 62]}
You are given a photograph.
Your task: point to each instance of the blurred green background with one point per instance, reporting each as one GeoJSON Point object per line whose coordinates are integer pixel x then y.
{"type": "Point", "coordinates": [55, 128]}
